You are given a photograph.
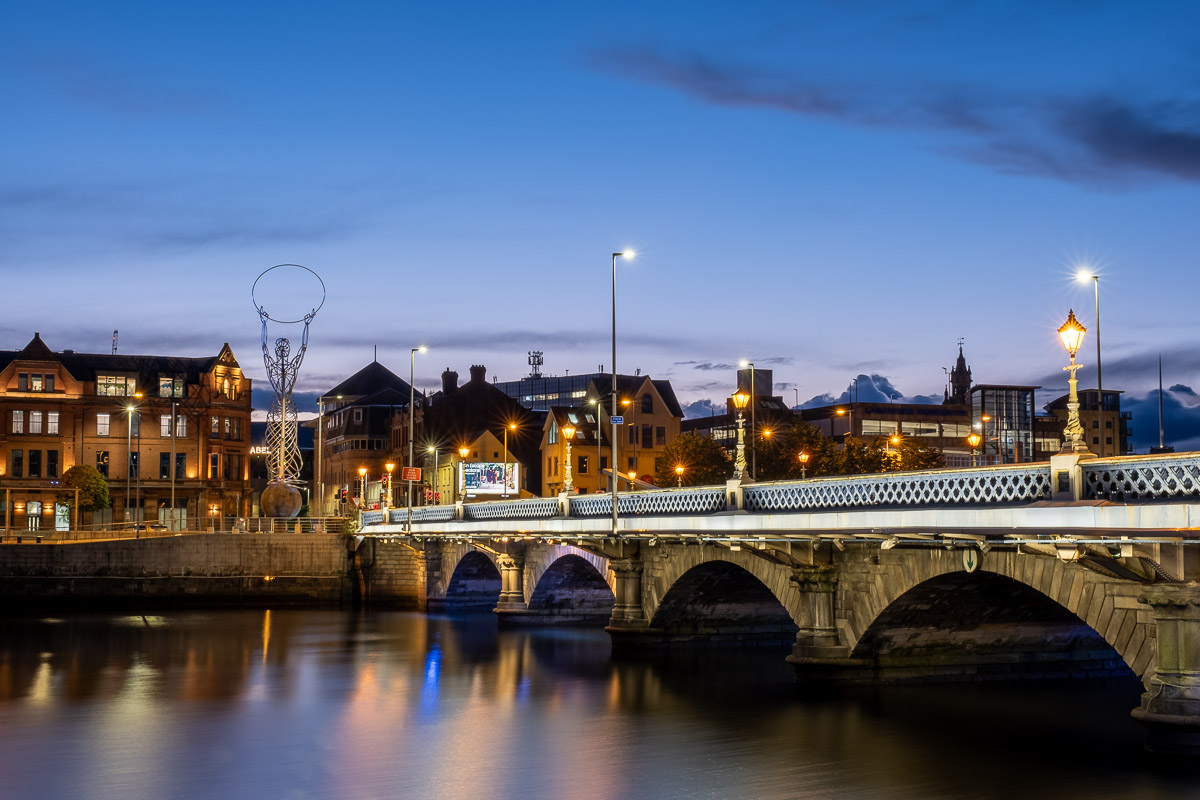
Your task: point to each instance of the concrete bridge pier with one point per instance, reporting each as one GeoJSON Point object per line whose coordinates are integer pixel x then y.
{"type": "Point", "coordinates": [628, 623]}
{"type": "Point", "coordinates": [818, 651]}
{"type": "Point", "coordinates": [1170, 709]}
{"type": "Point", "coordinates": [512, 585]}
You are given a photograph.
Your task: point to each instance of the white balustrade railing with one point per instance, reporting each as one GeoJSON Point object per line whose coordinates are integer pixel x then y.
{"type": "Point", "coordinates": [1122, 478]}
{"type": "Point", "coordinates": [1019, 483]}
{"type": "Point", "coordinates": [1142, 477]}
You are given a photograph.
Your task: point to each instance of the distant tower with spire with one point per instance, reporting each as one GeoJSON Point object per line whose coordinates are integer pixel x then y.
{"type": "Point", "coordinates": [960, 379]}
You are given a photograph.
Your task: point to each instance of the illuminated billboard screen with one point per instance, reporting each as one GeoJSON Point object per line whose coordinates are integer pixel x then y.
{"type": "Point", "coordinates": [488, 478]}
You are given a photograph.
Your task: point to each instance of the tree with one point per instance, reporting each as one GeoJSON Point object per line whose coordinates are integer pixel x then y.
{"type": "Point", "coordinates": [779, 454]}
{"type": "Point", "coordinates": [704, 462]}
{"type": "Point", "coordinates": [914, 456]}
{"type": "Point", "coordinates": [93, 488]}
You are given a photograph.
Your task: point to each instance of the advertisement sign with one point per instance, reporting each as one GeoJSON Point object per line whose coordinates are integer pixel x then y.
{"type": "Point", "coordinates": [410, 473]}
{"type": "Point", "coordinates": [488, 478]}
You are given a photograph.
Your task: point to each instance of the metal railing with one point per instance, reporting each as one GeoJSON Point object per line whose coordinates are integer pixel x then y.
{"type": "Point", "coordinates": [693, 500]}
{"type": "Point", "coordinates": [1142, 477]}
{"type": "Point", "coordinates": [1018, 483]}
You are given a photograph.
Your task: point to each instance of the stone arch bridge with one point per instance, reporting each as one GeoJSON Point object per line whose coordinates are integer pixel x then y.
{"type": "Point", "coordinates": [1069, 569]}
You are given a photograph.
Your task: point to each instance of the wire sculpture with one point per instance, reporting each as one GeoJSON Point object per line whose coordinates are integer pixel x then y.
{"type": "Point", "coordinates": [283, 444]}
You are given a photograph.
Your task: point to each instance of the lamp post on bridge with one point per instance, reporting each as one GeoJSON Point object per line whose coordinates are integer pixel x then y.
{"type": "Point", "coordinates": [568, 432]}
{"type": "Point", "coordinates": [740, 401]}
{"type": "Point", "coordinates": [1071, 334]}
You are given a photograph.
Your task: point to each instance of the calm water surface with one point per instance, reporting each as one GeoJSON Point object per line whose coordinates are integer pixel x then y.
{"type": "Point", "coordinates": [326, 704]}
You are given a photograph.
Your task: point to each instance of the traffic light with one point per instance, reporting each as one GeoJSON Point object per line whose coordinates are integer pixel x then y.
{"type": "Point", "coordinates": [428, 495]}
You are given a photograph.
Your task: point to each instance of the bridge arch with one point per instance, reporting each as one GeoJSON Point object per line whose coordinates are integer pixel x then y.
{"type": "Point", "coordinates": [571, 589]}
{"type": "Point", "coordinates": [473, 582]}
{"type": "Point", "coordinates": [712, 594]}
{"type": "Point", "coordinates": [914, 591]}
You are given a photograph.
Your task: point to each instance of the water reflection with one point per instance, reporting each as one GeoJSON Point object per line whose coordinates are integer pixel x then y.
{"type": "Point", "coordinates": [310, 704]}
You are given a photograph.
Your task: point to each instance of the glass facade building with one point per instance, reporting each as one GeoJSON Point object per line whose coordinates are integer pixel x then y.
{"type": "Point", "coordinates": [1004, 417]}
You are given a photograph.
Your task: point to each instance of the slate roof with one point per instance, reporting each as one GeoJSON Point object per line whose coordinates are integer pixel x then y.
{"type": "Point", "coordinates": [372, 378]}
{"type": "Point", "coordinates": [85, 366]}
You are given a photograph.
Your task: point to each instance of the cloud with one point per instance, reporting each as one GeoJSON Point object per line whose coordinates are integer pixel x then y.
{"type": "Point", "coordinates": [702, 408]}
{"type": "Point", "coordinates": [1092, 138]}
{"type": "Point", "coordinates": [1181, 419]}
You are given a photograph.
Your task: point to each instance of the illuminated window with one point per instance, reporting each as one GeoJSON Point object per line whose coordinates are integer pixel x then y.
{"type": "Point", "coordinates": [35, 422]}
{"type": "Point", "coordinates": [102, 462]}
{"type": "Point", "coordinates": [18, 425]}
{"type": "Point", "coordinates": [180, 427]}
{"type": "Point", "coordinates": [115, 386]}
{"type": "Point", "coordinates": [164, 426]}
{"type": "Point", "coordinates": [102, 424]}
{"type": "Point", "coordinates": [35, 383]}
{"type": "Point", "coordinates": [52, 422]}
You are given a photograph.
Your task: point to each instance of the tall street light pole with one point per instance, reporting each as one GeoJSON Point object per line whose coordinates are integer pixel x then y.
{"type": "Point", "coordinates": [173, 432]}
{"type": "Point", "coordinates": [434, 481]}
{"type": "Point", "coordinates": [512, 426]}
{"type": "Point", "coordinates": [1083, 276]}
{"type": "Point", "coordinates": [1071, 334]}
{"type": "Point", "coordinates": [628, 256]}
{"type": "Point", "coordinates": [412, 393]}
{"type": "Point", "coordinates": [128, 456]}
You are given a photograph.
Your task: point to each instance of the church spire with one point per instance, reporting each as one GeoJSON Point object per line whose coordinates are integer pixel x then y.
{"type": "Point", "coordinates": [960, 378]}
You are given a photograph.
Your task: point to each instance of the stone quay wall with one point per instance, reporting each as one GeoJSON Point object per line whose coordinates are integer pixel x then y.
{"type": "Point", "coordinates": [189, 569]}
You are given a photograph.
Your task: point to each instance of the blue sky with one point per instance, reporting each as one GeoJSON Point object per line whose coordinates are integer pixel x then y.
{"type": "Point", "coordinates": [827, 188]}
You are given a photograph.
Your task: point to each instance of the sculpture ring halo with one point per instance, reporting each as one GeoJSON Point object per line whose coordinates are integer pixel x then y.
{"type": "Point", "coordinates": [260, 309]}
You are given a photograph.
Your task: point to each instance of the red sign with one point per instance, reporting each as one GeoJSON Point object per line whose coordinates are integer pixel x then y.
{"type": "Point", "coordinates": [410, 473]}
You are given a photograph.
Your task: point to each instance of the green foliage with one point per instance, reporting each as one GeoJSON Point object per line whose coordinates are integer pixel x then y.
{"type": "Point", "coordinates": [92, 486]}
{"type": "Point", "coordinates": [778, 455]}
{"type": "Point", "coordinates": [705, 463]}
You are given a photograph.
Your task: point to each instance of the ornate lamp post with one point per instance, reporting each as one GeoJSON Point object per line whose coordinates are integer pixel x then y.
{"type": "Point", "coordinates": [803, 465]}
{"type": "Point", "coordinates": [386, 496]}
{"type": "Point", "coordinates": [412, 395]}
{"type": "Point", "coordinates": [568, 432]}
{"type": "Point", "coordinates": [1071, 334]}
{"type": "Point", "coordinates": [433, 481]}
{"type": "Point", "coordinates": [973, 440]}
{"type": "Point", "coordinates": [679, 475]}
{"type": "Point", "coordinates": [740, 401]}
{"type": "Point", "coordinates": [362, 476]}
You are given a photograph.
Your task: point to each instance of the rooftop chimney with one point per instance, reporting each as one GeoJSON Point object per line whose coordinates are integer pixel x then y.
{"type": "Point", "coordinates": [449, 381]}
{"type": "Point", "coordinates": [478, 373]}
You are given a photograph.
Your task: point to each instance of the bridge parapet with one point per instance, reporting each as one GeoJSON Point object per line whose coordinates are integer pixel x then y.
{"type": "Point", "coordinates": [693, 500]}
{"type": "Point", "coordinates": [1018, 483]}
{"type": "Point", "coordinates": [1142, 477]}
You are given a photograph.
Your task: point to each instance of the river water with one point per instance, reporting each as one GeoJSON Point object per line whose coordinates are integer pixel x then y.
{"type": "Point", "coordinates": [328, 704]}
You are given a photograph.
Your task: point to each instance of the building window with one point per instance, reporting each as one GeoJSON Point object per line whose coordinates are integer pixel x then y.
{"type": "Point", "coordinates": [582, 461]}
{"type": "Point", "coordinates": [17, 466]}
{"type": "Point", "coordinates": [232, 467]}
{"type": "Point", "coordinates": [133, 465]}
{"type": "Point", "coordinates": [50, 383]}
{"type": "Point", "coordinates": [225, 387]}
{"type": "Point", "coordinates": [660, 435]}
{"type": "Point", "coordinates": [237, 429]}
{"type": "Point", "coordinates": [553, 434]}
{"type": "Point", "coordinates": [647, 432]}
{"type": "Point", "coordinates": [181, 427]}
{"type": "Point", "coordinates": [23, 382]}
{"type": "Point", "coordinates": [228, 429]}
{"type": "Point", "coordinates": [102, 424]}
{"type": "Point", "coordinates": [51, 463]}
{"type": "Point", "coordinates": [35, 463]}
{"type": "Point", "coordinates": [164, 466]}
{"type": "Point", "coordinates": [164, 426]}
{"type": "Point", "coordinates": [35, 422]}
{"type": "Point", "coordinates": [919, 428]}
{"type": "Point", "coordinates": [878, 427]}
{"type": "Point", "coordinates": [35, 383]}
{"type": "Point", "coordinates": [1095, 440]}
{"type": "Point", "coordinates": [604, 464]}
{"type": "Point", "coordinates": [170, 387]}
{"type": "Point", "coordinates": [52, 422]}
{"type": "Point", "coordinates": [1108, 424]}
{"type": "Point", "coordinates": [180, 466]}
{"type": "Point", "coordinates": [18, 425]}
{"type": "Point", "coordinates": [214, 465]}
{"type": "Point", "coordinates": [216, 428]}
{"type": "Point", "coordinates": [633, 434]}
{"type": "Point", "coordinates": [102, 462]}
{"type": "Point", "coordinates": [135, 424]}
{"type": "Point", "coordinates": [1108, 440]}
{"type": "Point", "coordinates": [647, 404]}
{"type": "Point", "coordinates": [115, 386]}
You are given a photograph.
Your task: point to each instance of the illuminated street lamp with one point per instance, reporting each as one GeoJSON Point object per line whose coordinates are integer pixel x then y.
{"type": "Point", "coordinates": [385, 497]}
{"type": "Point", "coordinates": [616, 484]}
{"type": "Point", "coordinates": [973, 439]}
{"type": "Point", "coordinates": [412, 394]}
{"type": "Point", "coordinates": [1071, 334]}
{"type": "Point", "coordinates": [463, 452]}
{"type": "Point", "coordinates": [803, 465]}
{"type": "Point", "coordinates": [512, 426]}
{"type": "Point", "coordinates": [753, 447]}
{"type": "Point", "coordinates": [568, 432]}
{"type": "Point", "coordinates": [1082, 277]}
{"type": "Point", "coordinates": [679, 475]}
{"type": "Point", "coordinates": [740, 401]}
{"type": "Point", "coordinates": [362, 475]}
{"type": "Point", "coordinates": [841, 412]}
{"type": "Point", "coordinates": [434, 480]}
